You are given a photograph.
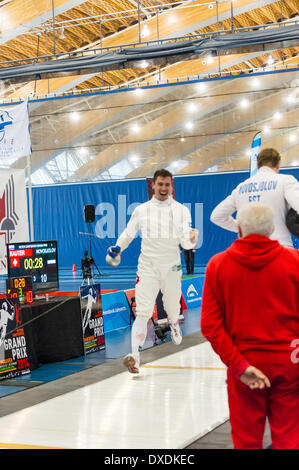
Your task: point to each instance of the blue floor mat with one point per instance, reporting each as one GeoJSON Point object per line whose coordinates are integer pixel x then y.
{"type": "Point", "coordinates": [9, 389]}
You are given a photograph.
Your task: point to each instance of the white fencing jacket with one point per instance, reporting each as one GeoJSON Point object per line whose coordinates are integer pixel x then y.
{"type": "Point", "coordinates": [279, 191]}
{"type": "Point", "coordinates": [163, 225]}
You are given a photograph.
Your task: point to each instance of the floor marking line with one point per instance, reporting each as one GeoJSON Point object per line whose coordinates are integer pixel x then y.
{"type": "Point", "coordinates": [6, 445]}
{"type": "Point", "coordinates": [148, 366]}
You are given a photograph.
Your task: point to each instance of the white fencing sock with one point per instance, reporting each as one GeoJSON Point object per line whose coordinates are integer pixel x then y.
{"type": "Point", "coordinates": [138, 335]}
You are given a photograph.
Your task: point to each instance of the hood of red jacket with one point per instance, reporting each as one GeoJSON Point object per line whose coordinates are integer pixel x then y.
{"type": "Point", "coordinates": [254, 251]}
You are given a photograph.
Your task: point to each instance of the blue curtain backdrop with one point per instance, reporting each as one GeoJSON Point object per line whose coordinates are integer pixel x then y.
{"type": "Point", "coordinates": [58, 214]}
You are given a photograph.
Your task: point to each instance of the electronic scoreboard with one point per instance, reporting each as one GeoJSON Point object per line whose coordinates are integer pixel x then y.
{"type": "Point", "coordinates": [36, 259]}
{"type": "Point", "coordinates": [20, 288]}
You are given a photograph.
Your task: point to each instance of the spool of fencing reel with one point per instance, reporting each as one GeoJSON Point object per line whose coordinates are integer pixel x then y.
{"type": "Point", "coordinates": [292, 222]}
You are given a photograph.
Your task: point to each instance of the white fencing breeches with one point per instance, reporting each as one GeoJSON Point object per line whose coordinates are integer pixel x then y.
{"type": "Point", "coordinates": [149, 283]}
{"type": "Point", "coordinates": [148, 287]}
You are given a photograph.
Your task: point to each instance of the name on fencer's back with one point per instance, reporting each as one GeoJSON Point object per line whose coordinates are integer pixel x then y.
{"type": "Point", "coordinates": [257, 186]}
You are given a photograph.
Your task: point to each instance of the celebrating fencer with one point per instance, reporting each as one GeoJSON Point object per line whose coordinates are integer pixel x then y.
{"type": "Point", "coordinates": [281, 192]}
{"type": "Point", "coordinates": [164, 224]}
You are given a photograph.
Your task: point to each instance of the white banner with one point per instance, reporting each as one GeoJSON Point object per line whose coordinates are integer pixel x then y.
{"type": "Point", "coordinates": [14, 132]}
{"type": "Point", "coordinates": [13, 212]}
{"type": "Point", "coordinates": [255, 150]}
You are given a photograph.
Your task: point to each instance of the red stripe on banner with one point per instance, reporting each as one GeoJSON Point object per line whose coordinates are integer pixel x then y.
{"type": "Point", "coordinates": [2, 207]}
{"type": "Point", "coordinates": [184, 305]}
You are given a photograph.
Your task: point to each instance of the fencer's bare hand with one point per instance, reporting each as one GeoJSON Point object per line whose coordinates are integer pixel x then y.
{"type": "Point", "coordinates": [193, 235]}
{"type": "Point", "coordinates": [254, 378]}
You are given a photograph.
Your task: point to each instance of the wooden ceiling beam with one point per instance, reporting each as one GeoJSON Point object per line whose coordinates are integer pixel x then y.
{"type": "Point", "coordinates": [186, 20]}
{"type": "Point", "coordinates": [151, 131]}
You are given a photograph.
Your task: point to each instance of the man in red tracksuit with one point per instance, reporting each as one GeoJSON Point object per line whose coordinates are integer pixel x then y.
{"type": "Point", "coordinates": [250, 315]}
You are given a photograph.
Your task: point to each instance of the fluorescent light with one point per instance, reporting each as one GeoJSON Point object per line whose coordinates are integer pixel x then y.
{"type": "Point", "coordinates": [189, 125]}
{"type": "Point", "coordinates": [254, 82]}
{"type": "Point", "coordinates": [145, 31]}
{"type": "Point", "coordinates": [266, 129]}
{"type": "Point", "coordinates": [83, 151]}
{"type": "Point", "coordinates": [201, 86]}
{"type": "Point", "coordinates": [192, 107]}
{"type": "Point", "coordinates": [62, 36]}
{"type": "Point", "coordinates": [75, 116]}
{"type": "Point", "coordinates": [244, 103]}
{"type": "Point", "coordinates": [135, 127]}
{"type": "Point", "coordinates": [171, 18]}
{"type": "Point", "coordinates": [292, 137]}
{"type": "Point", "coordinates": [134, 158]}
{"type": "Point", "coordinates": [277, 115]}
{"type": "Point", "coordinates": [270, 60]}
{"type": "Point", "coordinates": [143, 64]}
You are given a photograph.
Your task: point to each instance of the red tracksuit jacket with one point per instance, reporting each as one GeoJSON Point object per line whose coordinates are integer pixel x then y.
{"type": "Point", "coordinates": [251, 300]}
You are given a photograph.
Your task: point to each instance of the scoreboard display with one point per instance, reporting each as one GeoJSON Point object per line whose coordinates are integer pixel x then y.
{"type": "Point", "coordinates": [36, 259]}
{"type": "Point", "coordinates": [20, 288]}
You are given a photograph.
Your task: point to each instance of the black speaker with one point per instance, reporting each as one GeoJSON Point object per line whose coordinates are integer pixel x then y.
{"type": "Point", "coordinates": [89, 213]}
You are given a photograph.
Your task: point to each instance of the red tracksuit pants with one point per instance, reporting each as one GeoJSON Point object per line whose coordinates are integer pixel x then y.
{"type": "Point", "coordinates": [280, 403]}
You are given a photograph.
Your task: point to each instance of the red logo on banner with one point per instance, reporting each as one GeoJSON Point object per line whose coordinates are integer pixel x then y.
{"type": "Point", "coordinates": [9, 219]}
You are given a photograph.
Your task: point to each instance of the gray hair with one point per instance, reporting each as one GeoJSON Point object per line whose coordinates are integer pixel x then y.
{"type": "Point", "coordinates": [256, 218]}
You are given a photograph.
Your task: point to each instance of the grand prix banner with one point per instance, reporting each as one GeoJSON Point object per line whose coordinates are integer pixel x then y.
{"type": "Point", "coordinates": [13, 351]}
{"type": "Point", "coordinates": [14, 225]}
{"type": "Point", "coordinates": [14, 132]}
{"type": "Point", "coordinates": [92, 318]}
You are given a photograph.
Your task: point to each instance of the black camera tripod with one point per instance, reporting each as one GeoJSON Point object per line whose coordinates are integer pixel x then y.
{"type": "Point", "coordinates": [88, 263]}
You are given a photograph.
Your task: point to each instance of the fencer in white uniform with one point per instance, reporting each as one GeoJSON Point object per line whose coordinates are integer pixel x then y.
{"type": "Point", "coordinates": [164, 225]}
{"type": "Point", "coordinates": [267, 186]}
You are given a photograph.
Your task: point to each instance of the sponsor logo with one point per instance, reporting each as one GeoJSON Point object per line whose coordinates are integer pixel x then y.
{"type": "Point", "coordinates": [5, 120]}
{"type": "Point", "coordinates": [115, 310]}
{"type": "Point", "coordinates": [192, 294]}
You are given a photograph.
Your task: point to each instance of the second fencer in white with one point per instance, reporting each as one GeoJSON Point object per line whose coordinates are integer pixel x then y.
{"type": "Point", "coordinates": [164, 225]}
{"type": "Point", "coordinates": [281, 192]}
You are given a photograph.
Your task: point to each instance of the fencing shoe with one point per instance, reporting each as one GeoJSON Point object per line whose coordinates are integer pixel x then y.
{"type": "Point", "coordinates": [131, 364]}
{"type": "Point", "coordinates": [175, 332]}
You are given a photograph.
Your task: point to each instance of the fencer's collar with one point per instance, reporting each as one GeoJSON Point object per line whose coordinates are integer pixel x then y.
{"type": "Point", "coordinates": [266, 169]}
{"type": "Point", "coordinates": [167, 201]}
